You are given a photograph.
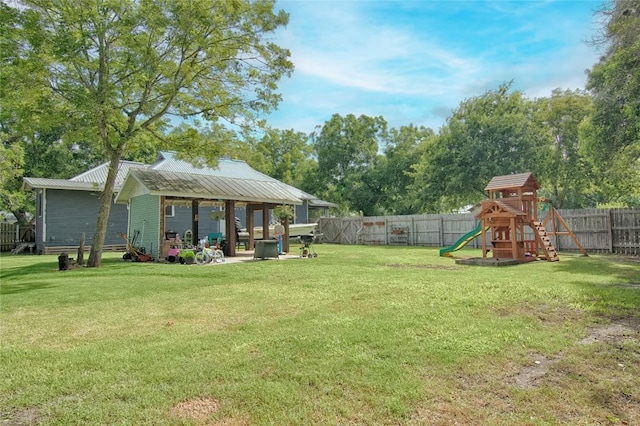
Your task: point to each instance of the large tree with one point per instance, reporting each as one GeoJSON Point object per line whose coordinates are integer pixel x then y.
{"type": "Point", "coordinates": [613, 138]}
{"type": "Point", "coordinates": [32, 125]}
{"type": "Point", "coordinates": [401, 153]}
{"type": "Point", "coordinates": [126, 68]}
{"type": "Point", "coordinates": [488, 135]}
{"type": "Point", "coordinates": [347, 153]}
{"type": "Point", "coordinates": [282, 154]}
{"type": "Point", "coordinates": [564, 173]}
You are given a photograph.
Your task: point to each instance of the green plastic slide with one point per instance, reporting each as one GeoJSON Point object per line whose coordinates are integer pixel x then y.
{"type": "Point", "coordinates": [464, 240]}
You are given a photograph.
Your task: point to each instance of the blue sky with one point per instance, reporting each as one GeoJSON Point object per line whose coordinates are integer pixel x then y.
{"type": "Point", "coordinates": [413, 62]}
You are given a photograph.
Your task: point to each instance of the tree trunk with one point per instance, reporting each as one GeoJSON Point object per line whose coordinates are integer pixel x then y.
{"type": "Point", "coordinates": [106, 198]}
{"type": "Point", "coordinates": [80, 260]}
{"type": "Point", "coordinates": [21, 217]}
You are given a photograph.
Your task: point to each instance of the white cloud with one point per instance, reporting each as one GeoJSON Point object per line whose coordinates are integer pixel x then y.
{"type": "Point", "coordinates": [414, 62]}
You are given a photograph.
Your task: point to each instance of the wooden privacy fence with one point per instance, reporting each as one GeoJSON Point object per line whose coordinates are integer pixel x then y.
{"type": "Point", "coordinates": [12, 235]}
{"type": "Point", "coordinates": [8, 236]}
{"type": "Point", "coordinates": [598, 230]}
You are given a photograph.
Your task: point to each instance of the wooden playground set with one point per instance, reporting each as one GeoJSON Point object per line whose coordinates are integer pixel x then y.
{"type": "Point", "coordinates": [509, 212]}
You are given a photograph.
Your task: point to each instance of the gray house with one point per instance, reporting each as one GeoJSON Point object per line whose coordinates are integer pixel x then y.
{"type": "Point", "coordinates": [65, 209]}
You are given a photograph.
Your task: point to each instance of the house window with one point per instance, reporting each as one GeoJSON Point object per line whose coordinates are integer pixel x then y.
{"type": "Point", "coordinates": [170, 211]}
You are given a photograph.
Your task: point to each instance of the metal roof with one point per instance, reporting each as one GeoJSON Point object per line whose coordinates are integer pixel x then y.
{"type": "Point", "coordinates": [33, 183]}
{"type": "Point", "coordinates": [316, 202]}
{"type": "Point", "coordinates": [513, 181]}
{"type": "Point", "coordinates": [199, 186]}
{"type": "Point", "coordinates": [226, 167]}
{"type": "Point", "coordinates": [236, 175]}
{"type": "Point", "coordinates": [91, 180]}
{"type": "Point", "coordinates": [99, 174]}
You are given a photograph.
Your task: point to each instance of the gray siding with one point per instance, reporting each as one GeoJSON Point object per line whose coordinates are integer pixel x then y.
{"type": "Point", "coordinates": [302, 212]}
{"type": "Point", "coordinates": [182, 221]}
{"type": "Point", "coordinates": [145, 218]}
{"type": "Point", "coordinates": [68, 214]}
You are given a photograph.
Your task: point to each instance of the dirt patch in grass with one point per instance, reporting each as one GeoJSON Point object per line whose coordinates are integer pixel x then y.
{"type": "Point", "coordinates": [596, 380]}
{"type": "Point", "coordinates": [552, 315]}
{"type": "Point", "coordinates": [202, 410]}
{"type": "Point", "coordinates": [198, 409]}
{"type": "Point", "coordinates": [423, 266]}
{"type": "Point", "coordinates": [26, 417]}
{"type": "Point", "coordinates": [530, 375]}
{"type": "Point", "coordinates": [619, 332]}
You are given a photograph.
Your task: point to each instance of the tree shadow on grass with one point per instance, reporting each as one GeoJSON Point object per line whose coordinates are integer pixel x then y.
{"type": "Point", "coordinates": [37, 273]}
{"type": "Point", "coordinates": [618, 294]}
{"type": "Point", "coordinates": [621, 268]}
{"type": "Point", "coordinates": [23, 287]}
{"type": "Point", "coordinates": [36, 268]}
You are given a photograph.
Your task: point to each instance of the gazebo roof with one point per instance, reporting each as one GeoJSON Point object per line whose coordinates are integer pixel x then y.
{"type": "Point", "coordinates": [205, 187]}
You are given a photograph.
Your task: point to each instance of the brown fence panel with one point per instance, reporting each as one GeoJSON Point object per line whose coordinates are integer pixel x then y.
{"type": "Point", "coordinates": [597, 230]}
{"type": "Point", "coordinates": [331, 229]}
{"type": "Point", "coordinates": [374, 231]}
{"type": "Point", "coordinates": [427, 230]}
{"type": "Point", "coordinates": [591, 227]}
{"type": "Point", "coordinates": [625, 231]}
{"type": "Point", "coordinates": [7, 236]}
{"type": "Point", "coordinates": [455, 226]}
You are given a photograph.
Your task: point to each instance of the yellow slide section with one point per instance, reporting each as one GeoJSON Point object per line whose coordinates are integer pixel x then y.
{"type": "Point", "coordinates": [464, 240]}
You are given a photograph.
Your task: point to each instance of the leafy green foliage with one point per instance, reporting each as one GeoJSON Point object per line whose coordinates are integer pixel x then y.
{"type": "Point", "coordinates": [122, 69]}
{"type": "Point", "coordinates": [565, 174]}
{"type": "Point", "coordinates": [347, 153]}
{"type": "Point", "coordinates": [282, 154]}
{"type": "Point", "coordinates": [36, 139]}
{"type": "Point", "coordinates": [613, 139]}
{"type": "Point", "coordinates": [401, 153]}
{"type": "Point", "coordinates": [487, 136]}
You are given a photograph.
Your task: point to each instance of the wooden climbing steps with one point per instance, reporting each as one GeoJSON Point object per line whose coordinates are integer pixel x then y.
{"type": "Point", "coordinates": [545, 242]}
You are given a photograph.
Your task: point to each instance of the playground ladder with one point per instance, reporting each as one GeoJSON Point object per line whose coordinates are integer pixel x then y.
{"type": "Point", "coordinates": [544, 241]}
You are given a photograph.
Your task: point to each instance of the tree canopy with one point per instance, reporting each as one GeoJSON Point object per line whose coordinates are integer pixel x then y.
{"type": "Point", "coordinates": [89, 80]}
{"type": "Point", "coordinates": [612, 141]}
{"type": "Point", "coordinates": [488, 135]}
{"type": "Point", "coordinates": [122, 69]}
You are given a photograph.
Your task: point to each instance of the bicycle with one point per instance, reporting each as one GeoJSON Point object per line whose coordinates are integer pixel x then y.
{"type": "Point", "coordinates": [208, 255]}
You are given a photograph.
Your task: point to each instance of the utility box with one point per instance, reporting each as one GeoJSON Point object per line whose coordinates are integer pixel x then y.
{"type": "Point", "coordinates": [265, 249]}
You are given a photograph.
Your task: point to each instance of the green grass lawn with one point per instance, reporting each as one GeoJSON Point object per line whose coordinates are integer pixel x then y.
{"type": "Point", "coordinates": [358, 335]}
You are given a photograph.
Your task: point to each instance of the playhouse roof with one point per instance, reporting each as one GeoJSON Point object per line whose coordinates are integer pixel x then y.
{"type": "Point", "coordinates": [499, 207]}
{"type": "Point", "coordinates": [518, 180]}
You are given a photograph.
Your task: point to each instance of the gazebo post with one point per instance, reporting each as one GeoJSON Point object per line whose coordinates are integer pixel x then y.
{"type": "Point", "coordinates": [265, 221]}
{"type": "Point", "coordinates": [194, 221]}
{"type": "Point", "coordinates": [230, 227]}
{"type": "Point", "coordinates": [285, 237]}
{"type": "Point", "coordinates": [250, 209]}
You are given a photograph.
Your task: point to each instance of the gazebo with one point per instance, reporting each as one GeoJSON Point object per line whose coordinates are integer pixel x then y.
{"type": "Point", "coordinates": [148, 191]}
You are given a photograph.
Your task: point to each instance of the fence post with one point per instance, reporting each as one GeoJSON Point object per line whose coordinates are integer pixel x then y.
{"type": "Point", "coordinates": [610, 229]}
{"type": "Point", "coordinates": [412, 238]}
